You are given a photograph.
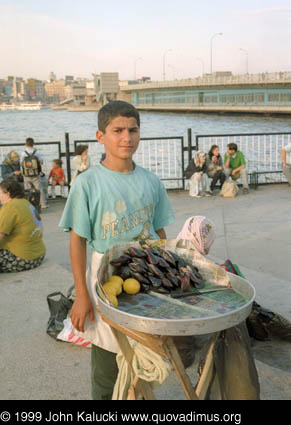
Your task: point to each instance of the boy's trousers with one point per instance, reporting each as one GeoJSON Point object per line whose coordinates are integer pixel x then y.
{"type": "Point", "coordinates": [104, 371]}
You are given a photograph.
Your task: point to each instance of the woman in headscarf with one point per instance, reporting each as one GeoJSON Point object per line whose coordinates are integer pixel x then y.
{"type": "Point", "coordinates": [198, 178]}
{"type": "Point", "coordinates": [11, 167]}
{"type": "Point", "coordinates": [200, 231]}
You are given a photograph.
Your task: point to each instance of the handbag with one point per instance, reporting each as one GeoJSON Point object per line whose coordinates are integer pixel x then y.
{"type": "Point", "coordinates": [59, 306]}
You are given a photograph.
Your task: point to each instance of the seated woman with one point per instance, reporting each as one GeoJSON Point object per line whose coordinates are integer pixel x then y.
{"type": "Point", "coordinates": [81, 162]}
{"type": "Point", "coordinates": [11, 167]}
{"type": "Point", "coordinates": [21, 244]}
{"type": "Point", "coordinates": [214, 167]}
{"type": "Point", "coordinates": [198, 179]}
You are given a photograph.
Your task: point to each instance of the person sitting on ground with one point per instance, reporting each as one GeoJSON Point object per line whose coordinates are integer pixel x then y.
{"type": "Point", "coordinates": [81, 162]}
{"type": "Point", "coordinates": [21, 244]}
{"type": "Point", "coordinates": [214, 167]}
{"type": "Point", "coordinates": [235, 165]}
{"type": "Point", "coordinates": [198, 179]}
{"type": "Point", "coordinates": [57, 176]}
{"type": "Point", "coordinates": [32, 162]}
{"type": "Point", "coordinates": [286, 160]}
{"type": "Point", "coordinates": [11, 167]}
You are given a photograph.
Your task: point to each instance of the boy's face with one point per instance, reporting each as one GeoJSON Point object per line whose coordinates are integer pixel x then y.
{"type": "Point", "coordinates": [121, 138]}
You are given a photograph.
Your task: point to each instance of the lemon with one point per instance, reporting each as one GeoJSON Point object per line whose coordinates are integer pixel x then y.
{"type": "Point", "coordinates": [131, 286]}
{"type": "Point", "coordinates": [111, 292]}
{"type": "Point", "coordinates": [116, 279]}
{"type": "Point", "coordinates": [110, 288]}
{"type": "Point", "coordinates": [113, 299]}
{"type": "Point", "coordinates": [117, 282]}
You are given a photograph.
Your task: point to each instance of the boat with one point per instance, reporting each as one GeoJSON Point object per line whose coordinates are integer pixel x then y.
{"type": "Point", "coordinates": [21, 107]}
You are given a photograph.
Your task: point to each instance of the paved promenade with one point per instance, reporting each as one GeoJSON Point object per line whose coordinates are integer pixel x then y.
{"type": "Point", "coordinates": [253, 231]}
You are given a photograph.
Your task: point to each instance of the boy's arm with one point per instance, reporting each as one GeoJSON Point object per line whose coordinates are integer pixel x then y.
{"type": "Point", "coordinates": [83, 304]}
{"type": "Point", "coordinates": [161, 233]}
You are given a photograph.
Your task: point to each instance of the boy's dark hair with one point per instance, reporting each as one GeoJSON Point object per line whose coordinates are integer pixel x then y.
{"type": "Point", "coordinates": [29, 142]}
{"type": "Point", "coordinates": [80, 149]}
{"type": "Point", "coordinates": [12, 187]}
{"type": "Point", "coordinates": [115, 109]}
{"type": "Point", "coordinates": [232, 146]}
{"type": "Point", "coordinates": [58, 162]}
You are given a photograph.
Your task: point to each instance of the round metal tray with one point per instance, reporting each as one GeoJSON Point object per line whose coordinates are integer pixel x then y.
{"type": "Point", "coordinates": [197, 326]}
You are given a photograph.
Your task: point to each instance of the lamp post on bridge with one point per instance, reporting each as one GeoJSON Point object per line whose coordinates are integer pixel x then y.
{"type": "Point", "coordinates": [164, 63]}
{"type": "Point", "coordinates": [135, 66]}
{"type": "Point", "coordinates": [211, 40]}
{"type": "Point", "coordinates": [247, 59]}
{"type": "Point", "coordinates": [202, 62]}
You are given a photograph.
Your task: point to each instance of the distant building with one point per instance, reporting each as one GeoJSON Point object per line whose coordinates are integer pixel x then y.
{"type": "Point", "coordinates": [52, 77]}
{"type": "Point", "coordinates": [55, 91]}
{"type": "Point", "coordinates": [69, 79]}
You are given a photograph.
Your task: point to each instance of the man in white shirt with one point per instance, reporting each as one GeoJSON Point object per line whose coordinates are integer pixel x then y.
{"type": "Point", "coordinates": [286, 160]}
{"type": "Point", "coordinates": [35, 181]}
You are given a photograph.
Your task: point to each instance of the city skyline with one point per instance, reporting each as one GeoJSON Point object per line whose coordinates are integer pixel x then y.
{"type": "Point", "coordinates": [164, 40]}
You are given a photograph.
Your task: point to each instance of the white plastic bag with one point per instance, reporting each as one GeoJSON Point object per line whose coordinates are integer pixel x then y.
{"type": "Point", "coordinates": [67, 335]}
{"type": "Point", "coordinates": [229, 189]}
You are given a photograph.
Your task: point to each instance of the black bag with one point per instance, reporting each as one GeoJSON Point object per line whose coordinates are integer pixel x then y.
{"type": "Point", "coordinates": [59, 307]}
{"type": "Point", "coordinates": [33, 196]}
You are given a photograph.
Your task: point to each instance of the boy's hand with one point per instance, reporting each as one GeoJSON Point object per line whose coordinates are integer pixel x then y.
{"type": "Point", "coordinates": [81, 308]}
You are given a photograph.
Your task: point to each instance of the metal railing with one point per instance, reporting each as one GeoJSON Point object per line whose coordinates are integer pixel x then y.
{"type": "Point", "coordinates": [213, 80]}
{"type": "Point", "coordinates": [261, 150]}
{"type": "Point", "coordinates": [164, 156]}
{"type": "Point", "coordinates": [48, 150]}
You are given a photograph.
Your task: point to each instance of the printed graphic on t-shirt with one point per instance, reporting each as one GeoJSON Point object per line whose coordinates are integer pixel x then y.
{"type": "Point", "coordinates": [114, 224]}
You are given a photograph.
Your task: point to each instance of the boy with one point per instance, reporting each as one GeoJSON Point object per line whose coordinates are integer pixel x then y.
{"type": "Point", "coordinates": [34, 181]}
{"type": "Point", "coordinates": [57, 176]}
{"type": "Point", "coordinates": [116, 201]}
{"type": "Point", "coordinates": [235, 165]}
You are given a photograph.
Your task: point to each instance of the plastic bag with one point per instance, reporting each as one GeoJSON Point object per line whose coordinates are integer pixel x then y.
{"type": "Point", "coordinates": [59, 307]}
{"type": "Point", "coordinates": [229, 189]}
{"type": "Point", "coordinates": [67, 335]}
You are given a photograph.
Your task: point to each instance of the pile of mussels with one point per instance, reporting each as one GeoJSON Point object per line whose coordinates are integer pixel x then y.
{"type": "Point", "coordinates": [157, 270]}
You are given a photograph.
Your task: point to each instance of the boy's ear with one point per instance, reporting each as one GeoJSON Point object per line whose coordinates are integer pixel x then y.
{"type": "Point", "coordinates": [99, 136]}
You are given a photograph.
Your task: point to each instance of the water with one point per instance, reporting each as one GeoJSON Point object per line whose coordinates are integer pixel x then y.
{"type": "Point", "coordinates": [162, 157]}
{"type": "Point", "coordinates": [49, 125]}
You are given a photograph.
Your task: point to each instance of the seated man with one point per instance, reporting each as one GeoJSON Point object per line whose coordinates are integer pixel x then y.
{"type": "Point", "coordinates": [235, 165]}
{"type": "Point", "coordinates": [286, 160]}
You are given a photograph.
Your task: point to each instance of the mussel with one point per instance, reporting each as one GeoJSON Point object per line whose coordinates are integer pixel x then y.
{"type": "Point", "coordinates": [167, 284]}
{"type": "Point", "coordinates": [135, 252]}
{"type": "Point", "coordinates": [138, 268]}
{"type": "Point", "coordinates": [156, 271]}
{"type": "Point", "coordinates": [120, 261]}
{"type": "Point", "coordinates": [185, 283]}
{"type": "Point", "coordinates": [156, 282]}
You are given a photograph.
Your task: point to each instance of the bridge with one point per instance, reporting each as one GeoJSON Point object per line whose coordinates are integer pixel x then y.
{"type": "Point", "coordinates": [248, 93]}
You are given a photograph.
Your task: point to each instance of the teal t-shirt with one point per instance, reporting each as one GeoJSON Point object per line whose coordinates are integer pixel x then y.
{"type": "Point", "coordinates": [236, 161]}
{"type": "Point", "coordinates": [108, 208]}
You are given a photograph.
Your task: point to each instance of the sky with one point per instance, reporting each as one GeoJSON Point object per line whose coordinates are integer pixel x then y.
{"type": "Point", "coordinates": [137, 38]}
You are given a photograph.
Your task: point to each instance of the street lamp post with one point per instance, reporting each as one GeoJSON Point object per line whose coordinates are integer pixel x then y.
{"type": "Point", "coordinates": [247, 59]}
{"type": "Point", "coordinates": [164, 63]}
{"type": "Point", "coordinates": [173, 69]}
{"type": "Point", "coordinates": [211, 40]}
{"type": "Point", "coordinates": [202, 62]}
{"type": "Point", "coordinates": [135, 67]}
